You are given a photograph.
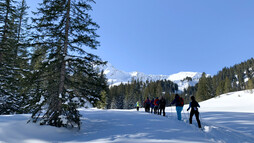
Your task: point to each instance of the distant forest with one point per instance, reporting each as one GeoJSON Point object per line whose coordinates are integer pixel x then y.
{"type": "Point", "coordinates": [235, 78]}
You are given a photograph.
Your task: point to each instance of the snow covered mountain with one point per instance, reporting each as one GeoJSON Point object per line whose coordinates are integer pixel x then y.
{"type": "Point", "coordinates": [116, 77]}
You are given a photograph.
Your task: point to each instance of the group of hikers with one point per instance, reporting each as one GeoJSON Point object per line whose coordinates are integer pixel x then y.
{"type": "Point", "coordinates": [158, 105]}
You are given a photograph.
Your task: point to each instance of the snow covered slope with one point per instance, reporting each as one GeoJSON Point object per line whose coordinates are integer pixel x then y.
{"type": "Point", "coordinates": [241, 101]}
{"type": "Point", "coordinates": [116, 77]}
{"type": "Point", "coordinates": [226, 119]}
{"type": "Point", "coordinates": [232, 112]}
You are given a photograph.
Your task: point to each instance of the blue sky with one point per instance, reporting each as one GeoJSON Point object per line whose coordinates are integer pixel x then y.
{"type": "Point", "coordinates": [170, 36]}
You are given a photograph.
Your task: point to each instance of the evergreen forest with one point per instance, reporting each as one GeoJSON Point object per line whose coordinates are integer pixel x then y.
{"type": "Point", "coordinates": [44, 67]}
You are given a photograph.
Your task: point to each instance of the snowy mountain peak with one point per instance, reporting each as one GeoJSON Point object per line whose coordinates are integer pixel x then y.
{"type": "Point", "coordinates": [183, 75]}
{"type": "Point", "coordinates": [116, 77]}
{"type": "Point", "coordinates": [134, 73]}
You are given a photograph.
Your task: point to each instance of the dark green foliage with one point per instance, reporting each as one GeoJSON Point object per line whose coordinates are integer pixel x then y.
{"type": "Point", "coordinates": [187, 79]}
{"type": "Point", "coordinates": [58, 75]}
{"type": "Point", "coordinates": [203, 89]}
{"type": "Point", "coordinates": [250, 84]}
{"type": "Point", "coordinates": [227, 86]}
{"type": "Point", "coordinates": [233, 77]}
{"type": "Point", "coordinates": [65, 75]}
{"type": "Point", "coordinates": [102, 104]}
{"type": "Point", "coordinates": [227, 80]}
{"type": "Point", "coordinates": [14, 67]}
{"type": "Point", "coordinates": [190, 91]}
{"type": "Point", "coordinates": [8, 83]}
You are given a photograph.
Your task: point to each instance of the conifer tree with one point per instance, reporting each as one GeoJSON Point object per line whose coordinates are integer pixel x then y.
{"type": "Point", "coordinates": [158, 90]}
{"type": "Point", "coordinates": [7, 44]}
{"type": "Point", "coordinates": [102, 104]}
{"type": "Point", "coordinates": [220, 88]}
{"type": "Point", "coordinates": [113, 104]}
{"type": "Point", "coordinates": [211, 89]}
{"type": "Point", "coordinates": [227, 86]}
{"type": "Point", "coordinates": [202, 91]}
{"type": "Point", "coordinates": [250, 85]}
{"type": "Point", "coordinates": [68, 76]}
{"type": "Point", "coordinates": [13, 55]}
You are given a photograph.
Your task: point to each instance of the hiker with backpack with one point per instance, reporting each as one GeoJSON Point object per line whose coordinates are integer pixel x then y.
{"type": "Point", "coordinates": [194, 110]}
{"type": "Point", "coordinates": [162, 105]}
{"type": "Point", "coordinates": [156, 105]}
{"type": "Point", "coordinates": [147, 104]}
{"type": "Point", "coordinates": [179, 102]}
{"type": "Point", "coordinates": [152, 105]}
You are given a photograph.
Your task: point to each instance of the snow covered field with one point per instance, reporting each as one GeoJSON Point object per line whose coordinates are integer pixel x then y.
{"type": "Point", "coordinates": [228, 118]}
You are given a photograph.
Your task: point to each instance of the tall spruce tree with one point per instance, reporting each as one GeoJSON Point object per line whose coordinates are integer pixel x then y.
{"type": "Point", "coordinates": [220, 88]}
{"type": "Point", "coordinates": [66, 77]}
{"type": "Point", "coordinates": [250, 85]}
{"type": "Point", "coordinates": [22, 54]}
{"type": "Point", "coordinates": [13, 56]}
{"type": "Point", "coordinates": [203, 90]}
{"type": "Point", "coordinates": [227, 87]}
{"type": "Point", "coordinates": [158, 89]}
{"type": "Point", "coordinates": [7, 32]}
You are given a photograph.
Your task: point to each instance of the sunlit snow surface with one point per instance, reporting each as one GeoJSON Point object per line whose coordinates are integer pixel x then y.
{"type": "Point", "coordinates": [225, 119]}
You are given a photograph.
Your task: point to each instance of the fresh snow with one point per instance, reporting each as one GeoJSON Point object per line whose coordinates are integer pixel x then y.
{"type": "Point", "coordinates": [116, 77]}
{"type": "Point", "coordinates": [225, 119]}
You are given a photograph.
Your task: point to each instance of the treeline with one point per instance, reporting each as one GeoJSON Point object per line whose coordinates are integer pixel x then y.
{"type": "Point", "coordinates": [236, 78]}
{"type": "Point", "coordinates": [125, 96]}
{"type": "Point", "coordinates": [44, 67]}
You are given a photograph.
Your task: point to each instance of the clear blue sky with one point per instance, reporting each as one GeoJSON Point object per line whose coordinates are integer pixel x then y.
{"type": "Point", "coordinates": [169, 36]}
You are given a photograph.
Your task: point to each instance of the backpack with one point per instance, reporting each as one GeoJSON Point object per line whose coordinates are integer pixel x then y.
{"type": "Point", "coordinates": [181, 101]}
{"type": "Point", "coordinates": [152, 102]}
{"type": "Point", "coordinates": [163, 102]}
{"type": "Point", "coordinates": [156, 102]}
{"type": "Point", "coordinates": [147, 102]}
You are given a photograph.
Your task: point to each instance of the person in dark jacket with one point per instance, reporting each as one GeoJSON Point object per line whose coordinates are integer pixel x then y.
{"type": "Point", "coordinates": [179, 107]}
{"type": "Point", "coordinates": [194, 110]}
{"type": "Point", "coordinates": [147, 105]}
{"type": "Point", "coordinates": [162, 105]}
{"type": "Point", "coordinates": [152, 105]}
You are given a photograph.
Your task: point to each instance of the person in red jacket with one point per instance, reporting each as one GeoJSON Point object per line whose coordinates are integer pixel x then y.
{"type": "Point", "coordinates": [156, 105]}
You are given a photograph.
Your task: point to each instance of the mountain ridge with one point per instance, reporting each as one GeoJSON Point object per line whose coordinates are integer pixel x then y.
{"type": "Point", "coordinates": [116, 77]}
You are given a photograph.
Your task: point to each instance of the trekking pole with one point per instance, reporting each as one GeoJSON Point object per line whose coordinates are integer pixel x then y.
{"type": "Point", "coordinates": [184, 114]}
{"type": "Point", "coordinates": [189, 113]}
{"type": "Point", "coordinates": [171, 111]}
{"type": "Point", "coordinates": [200, 118]}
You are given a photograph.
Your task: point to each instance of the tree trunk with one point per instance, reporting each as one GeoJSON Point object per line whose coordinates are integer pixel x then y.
{"type": "Point", "coordinates": [63, 64]}
{"type": "Point", "coordinates": [19, 27]}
